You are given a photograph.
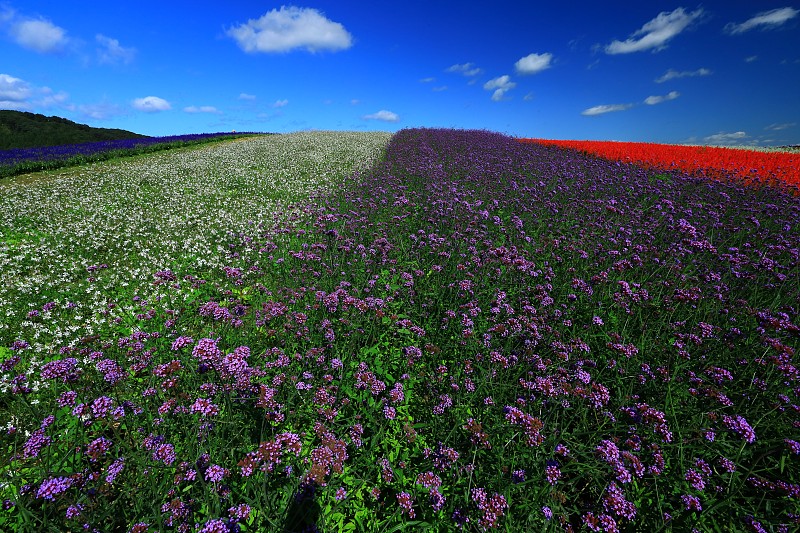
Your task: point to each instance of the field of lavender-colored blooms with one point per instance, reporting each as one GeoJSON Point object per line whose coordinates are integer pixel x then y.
{"type": "Point", "coordinates": [444, 330]}
{"type": "Point", "coordinates": [25, 160]}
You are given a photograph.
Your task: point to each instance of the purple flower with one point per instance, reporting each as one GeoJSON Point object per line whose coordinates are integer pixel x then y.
{"type": "Point", "coordinates": [793, 445]}
{"type": "Point", "coordinates": [396, 394]}
{"type": "Point", "coordinates": [114, 469]}
{"type": "Point", "coordinates": [215, 526]}
{"type": "Point", "coordinates": [19, 345]}
{"type": "Point", "coordinates": [97, 448]}
{"type": "Point", "coordinates": [341, 494]}
{"type": "Point", "coordinates": [445, 402]}
{"type": "Point", "coordinates": [615, 502]}
{"type": "Point", "coordinates": [437, 499]}
{"type": "Point", "coordinates": [74, 511]}
{"type": "Point", "coordinates": [442, 457]}
{"type": "Point", "coordinates": [608, 523]}
{"type": "Point", "coordinates": [60, 369]}
{"type": "Point", "coordinates": [33, 446]}
{"type": "Point", "coordinates": [548, 514]}
{"type": "Point", "coordinates": [754, 524]}
{"type": "Point", "coordinates": [355, 431]}
{"type": "Point", "coordinates": [406, 503]}
{"type": "Point", "coordinates": [739, 425]}
{"type": "Point", "coordinates": [205, 407]}
{"type": "Point", "coordinates": [165, 453]}
{"type": "Point", "coordinates": [215, 473]}
{"type": "Point", "coordinates": [101, 406]}
{"type": "Point", "coordinates": [608, 451]}
{"type": "Point", "coordinates": [112, 372]}
{"type": "Point", "coordinates": [727, 465]}
{"type": "Point", "coordinates": [48, 421]}
{"type": "Point", "coordinates": [623, 475]}
{"type": "Point", "coordinates": [459, 517]}
{"type": "Point", "coordinates": [691, 503]}
{"type": "Point", "coordinates": [704, 467]}
{"type": "Point", "coordinates": [181, 342]}
{"type": "Point", "coordinates": [206, 350]}
{"type": "Point", "coordinates": [240, 512]}
{"type": "Point", "coordinates": [53, 486]}
{"type": "Point", "coordinates": [552, 474]}
{"type": "Point", "coordinates": [429, 480]}
{"type": "Point", "coordinates": [10, 363]}
{"type": "Point", "coordinates": [493, 507]}
{"type": "Point", "coordinates": [695, 479]}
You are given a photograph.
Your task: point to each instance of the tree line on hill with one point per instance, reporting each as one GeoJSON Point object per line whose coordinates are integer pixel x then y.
{"type": "Point", "coordinates": [20, 129]}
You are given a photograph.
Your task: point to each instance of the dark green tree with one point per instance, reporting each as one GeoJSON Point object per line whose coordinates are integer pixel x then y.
{"type": "Point", "coordinates": [19, 129]}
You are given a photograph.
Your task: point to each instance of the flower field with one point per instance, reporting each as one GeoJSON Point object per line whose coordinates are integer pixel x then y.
{"type": "Point", "coordinates": [446, 330]}
{"type": "Point", "coordinates": [750, 166]}
{"type": "Point", "coordinates": [23, 160]}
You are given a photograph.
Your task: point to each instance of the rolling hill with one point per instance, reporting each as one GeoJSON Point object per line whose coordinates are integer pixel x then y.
{"type": "Point", "coordinates": [19, 129]}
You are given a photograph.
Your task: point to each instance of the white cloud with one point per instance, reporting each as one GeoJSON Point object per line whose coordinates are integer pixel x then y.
{"type": "Point", "coordinates": [49, 98]}
{"type": "Point", "coordinates": [289, 28]}
{"type": "Point", "coordinates": [195, 109]}
{"type": "Point", "coordinates": [765, 20]}
{"type": "Point", "coordinates": [280, 103]}
{"type": "Point", "coordinates": [6, 14]}
{"type": "Point", "coordinates": [528, 97]}
{"type": "Point", "coordinates": [602, 109]}
{"type": "Point", "coordinates": [384, 115]}
{"type": "Point", "coordinates": [151, 104]}
{"type": "Point", "coordinates": [655, 33]}
{"type": "Point", "coordinates": [39, 35]}
{"type": "Point", "coordinates": [500, 86]}
{"type": "Point", "coordinates": [111, 52]}
{"type": "Point", "coordinates": [427, 80]}
{"type": "Point", "coordinates": [653, 100]}
{"type": "Point", "coordinates": [245, 96]}
{"type": "Point", "coordinates": [778, 127]}
{"type": "Point", "coordinates": [439, 89]}
{"type": "Point", "coordinates": [17, 94]}
{"type": "Point", "coordinates": [101, 111]}
{"type": "Point", "coordinates": [533, 63]}
{"type": "Point", "coordinates": [674, 74]}
{"type": "Point", "coordinates": [467, 69]}
{"type": "Point", "coordinates": [750, 59]}
{"type": "Point", "coordinates": [726, 139]}
{"type": "Point", "coordinates": [13, 92]}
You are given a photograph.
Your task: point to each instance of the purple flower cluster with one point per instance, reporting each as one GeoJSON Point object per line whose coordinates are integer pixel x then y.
{"type": "Point", "coordinates": [67, 151]}
{"type": "Point", "coordinates": [114, 470]}
{"type": "Point", "coordinates": [52, 487]}
{"type": "Point", "coordinates": [406, 503]}
{"type": "Point", "coordinates": [60, 369]}
{"type": "Point", "coordinates": [493, 507]}
{"type": "Point", "coordinates": [739, 425]}
{"type": "Point", "coordinates": [270, 453]}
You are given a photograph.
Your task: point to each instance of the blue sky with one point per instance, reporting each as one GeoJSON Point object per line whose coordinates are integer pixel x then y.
{"type": "Point", "coordinates": [709, 73]}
